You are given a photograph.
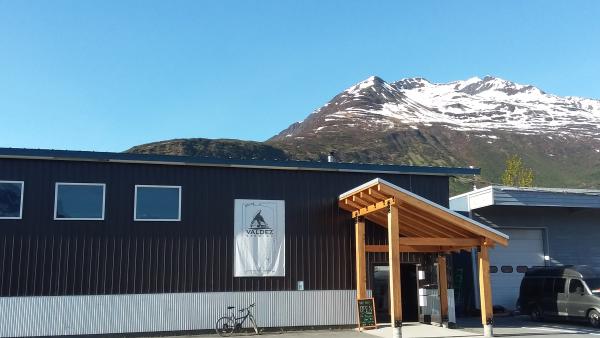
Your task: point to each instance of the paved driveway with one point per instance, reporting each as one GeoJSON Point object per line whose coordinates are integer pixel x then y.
{"type": "Point", "coordinates": [521, 326]}
{"type": "Point", "coordinates": [469, 328]}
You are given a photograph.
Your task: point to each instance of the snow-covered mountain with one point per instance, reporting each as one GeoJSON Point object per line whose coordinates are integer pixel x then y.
{"type": "Point", "coordinates": [477, 122]}
{"type": "Point", "coordinates": [486, 105]}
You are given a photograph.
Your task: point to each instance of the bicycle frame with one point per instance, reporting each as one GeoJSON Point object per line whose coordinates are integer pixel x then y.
{"type": "Point", "coordinates": [239, 321]}
{"type": "Point", "coordinates": [227, 325]}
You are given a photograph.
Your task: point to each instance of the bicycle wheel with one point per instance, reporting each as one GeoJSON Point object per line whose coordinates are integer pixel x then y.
{"type": "Point", "coordinates": [225, 326]}
{"type": "Point", "coordinates": [253, 321]}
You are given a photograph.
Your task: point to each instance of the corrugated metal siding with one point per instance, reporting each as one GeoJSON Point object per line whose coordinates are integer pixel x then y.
{"type": "Point", "coordinates": [39, 256]}
{"type": "Point", "coordinates": [103, 314]}
{"type": "Point", "coordinates": [572, 234]}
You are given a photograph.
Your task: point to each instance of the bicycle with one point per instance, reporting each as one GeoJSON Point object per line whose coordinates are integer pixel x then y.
{"type": "Point", "coordinates": [229, 324]}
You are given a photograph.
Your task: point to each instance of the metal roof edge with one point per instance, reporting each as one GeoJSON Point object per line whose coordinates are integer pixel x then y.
{"type": "Point", "coordinates": [452, 212]}
{"type": "Point", "coordinates": [548, 190]}
{"type": "Point", "coordinates": [564, 193]}
{"type": "Point", "coordinates": [473, 192]}
{"type": "Point", "coordinates": [72, 155]}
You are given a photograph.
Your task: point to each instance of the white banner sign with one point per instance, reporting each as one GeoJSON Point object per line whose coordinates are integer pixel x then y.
{"type": "Point", "coordinates": [259, 230]}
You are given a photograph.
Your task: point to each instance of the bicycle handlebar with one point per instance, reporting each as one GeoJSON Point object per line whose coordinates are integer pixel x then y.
{"type": "Point", "coordinates": [247, 307]}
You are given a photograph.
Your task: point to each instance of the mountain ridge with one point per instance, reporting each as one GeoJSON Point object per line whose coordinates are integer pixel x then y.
{"type": "Point", "coordinates": [478, 121]}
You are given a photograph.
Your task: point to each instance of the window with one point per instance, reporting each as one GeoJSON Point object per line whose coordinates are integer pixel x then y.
{"type": "Point", "coordinates": [157, 203]}
{"type": "Point", "coordinates": [575, 286]}
{"type": "Point", "coordinates": [521, 269]}
{"type": "Point", "coordinates": [493, 269]}
{"type": "Point", "coordinates": [11, 199]}
{"type": "Point", "coordinates": [559, 285]}
{"type": "Point", "coordinates": [532, 287]}
{"type": "Point", "coordinates": [79, 201]}
{"type": "Point", "coordinates": [506, 269]}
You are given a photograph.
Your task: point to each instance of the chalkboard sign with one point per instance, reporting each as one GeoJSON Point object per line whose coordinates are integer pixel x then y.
{"type": "Point", "coordinates": [366, 313]}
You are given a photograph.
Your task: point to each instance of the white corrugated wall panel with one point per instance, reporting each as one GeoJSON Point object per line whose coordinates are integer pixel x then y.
{"type": "Point", "coordinates": [76, 315]}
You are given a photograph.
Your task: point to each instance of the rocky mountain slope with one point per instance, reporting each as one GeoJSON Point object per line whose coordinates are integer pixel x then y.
{"type": "Point", "coordinates": [476, 122]}
{"type": "Point", "coordinates": [220, 148]}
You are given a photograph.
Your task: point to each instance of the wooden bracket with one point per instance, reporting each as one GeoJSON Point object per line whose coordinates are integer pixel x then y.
{"type": "Point", "coordinates": [374, 207]}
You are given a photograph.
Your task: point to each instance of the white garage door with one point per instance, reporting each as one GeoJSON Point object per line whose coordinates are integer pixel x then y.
{"type": "Point", "coordinates": [525, 249]}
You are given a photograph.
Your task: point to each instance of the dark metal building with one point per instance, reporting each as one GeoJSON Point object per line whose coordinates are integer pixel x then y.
{"type": "Point", "coordinates": [66, 277]}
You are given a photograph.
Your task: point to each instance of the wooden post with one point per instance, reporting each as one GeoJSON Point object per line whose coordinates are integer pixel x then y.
{"type": "Point", "coordinates": [443, 288]}
{"type": "Point", "coordinates": [394, 261]}
{"type": "Point", "coordinates": [485, 290]}
{"type": "Point", "coordinates": [361, 259]}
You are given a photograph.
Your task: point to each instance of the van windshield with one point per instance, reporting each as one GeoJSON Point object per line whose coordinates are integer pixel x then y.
{"type": "Point", "coordinates": [594, 285]}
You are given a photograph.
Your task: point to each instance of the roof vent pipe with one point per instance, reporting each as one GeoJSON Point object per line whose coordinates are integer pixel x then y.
{"type": "Point", "coordinates": [331, 157]}
{"type": "Point", "coordinates": [474, 179]}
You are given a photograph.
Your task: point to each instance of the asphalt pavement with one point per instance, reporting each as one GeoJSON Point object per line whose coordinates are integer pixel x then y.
{"type": "Point", "coordinates": [517, 326]}
{"type": "Point", "coordinates": [521, 326]}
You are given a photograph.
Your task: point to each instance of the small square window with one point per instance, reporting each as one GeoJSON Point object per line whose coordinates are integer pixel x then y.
{"type": "Point", "coordinates": [506, 268]}
{"type": "Point", "coordinates": [11, 199]}
{"type": "Point", "coordinates": [79, 201]}
{"type": "Point", "coordinates": [157, 203]}
{"type": "Point", "coordinates": [493, 269]}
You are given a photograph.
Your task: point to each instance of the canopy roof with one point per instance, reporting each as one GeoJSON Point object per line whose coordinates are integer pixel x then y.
{"type": "Point", "coordinates": [426, 224]}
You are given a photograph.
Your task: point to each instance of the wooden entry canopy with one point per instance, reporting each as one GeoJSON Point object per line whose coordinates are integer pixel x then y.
{"type": "Point", "coordinates": [415, 224]}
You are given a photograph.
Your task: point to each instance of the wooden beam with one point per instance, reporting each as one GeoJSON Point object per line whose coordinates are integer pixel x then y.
{"type": "Point", "coordinates": [485, 291]}
{"type": "Point", "coordinates": [394, 263]}
{"type": "Point", "coordinates": [377, 219]}
{"type": "Point", "coordinates": [443, 288]}
{"type": "Point", "coordinates": [373, 207]}
{"type": "Point", "coordinates": [368, 198]}
{"type": "Point", "coordinates": [407, 228]}
{"type": "Point", "coordinates": [360, 201]}
{"type": "Point", "coordinates": [377, 248]}
{"type": "Point", "coordinates": [432, 222]}
{"type": "Point", "coordinates": [361, 259]}
{"type": "Point", "coordinates": [460, 242]}
{"type": "Point", "coordinates": [409, 248]}
{"type": "Point", "coordinates": [352, 204]}
{"type": "Point", "coordinates": [376, 194]}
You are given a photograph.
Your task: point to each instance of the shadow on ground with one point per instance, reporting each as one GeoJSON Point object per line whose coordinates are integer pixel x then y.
{"type": "Point", "coordinates": [522, 326]}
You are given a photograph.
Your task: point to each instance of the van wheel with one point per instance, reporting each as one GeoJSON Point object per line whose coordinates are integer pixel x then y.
{"type": "Point", "coordinates": [594, 318]}
{"type": "Point", "coordinates": [536, 314]}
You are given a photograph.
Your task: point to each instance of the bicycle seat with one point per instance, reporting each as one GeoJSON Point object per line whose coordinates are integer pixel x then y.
{"type": "Point", "coordinates": [230, 307]}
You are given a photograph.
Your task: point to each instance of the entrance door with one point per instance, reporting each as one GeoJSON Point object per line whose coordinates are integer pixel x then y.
{"type": "Point", "coordinates": [410, 297]}
{"type": "Point", "coordinates": [381, 294]}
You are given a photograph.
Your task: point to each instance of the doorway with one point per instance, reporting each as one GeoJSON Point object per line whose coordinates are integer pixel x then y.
{"type": "Point", "coordinates": [410, 297]}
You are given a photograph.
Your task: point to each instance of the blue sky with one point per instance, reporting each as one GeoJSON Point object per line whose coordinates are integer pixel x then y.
{"type": "Point", "coordinates": [107, 75]}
